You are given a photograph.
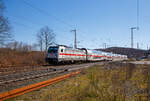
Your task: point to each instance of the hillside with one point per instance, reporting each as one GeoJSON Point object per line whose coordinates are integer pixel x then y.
{"type": "Point", "coordinates": [130, 52]}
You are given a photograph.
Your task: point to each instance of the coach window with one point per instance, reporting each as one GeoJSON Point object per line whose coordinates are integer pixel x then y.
{"type": "Point", "coordinates": [61, 50]}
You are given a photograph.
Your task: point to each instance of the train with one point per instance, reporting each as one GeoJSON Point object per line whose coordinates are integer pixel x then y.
{"type": "Point", "coordinates": [65, 54]}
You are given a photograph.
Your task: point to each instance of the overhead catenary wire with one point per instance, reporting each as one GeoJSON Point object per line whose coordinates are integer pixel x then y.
{"type": "Point", "coordinates": [50, 15]}
{"type": "Point", "coordinates": [25, 19]}
{"type": "Point", "coordinates": [46, 13]}
{"type": "Point", "coordinates": [31, 22]}
{"type": "Point", "coordinates": [22, 25]}
{"type": "Point", "coordinates": [70, 26]}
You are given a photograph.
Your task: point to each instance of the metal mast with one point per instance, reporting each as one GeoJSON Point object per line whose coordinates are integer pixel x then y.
{"type": "Point", "coordinates": [75, 38]}
{"type": "Point", "coordinates": [137, 14]}
{"type": "Point", "coordinates": [132, 43]}
{"type": "Point", "coordinates": [137, 27]}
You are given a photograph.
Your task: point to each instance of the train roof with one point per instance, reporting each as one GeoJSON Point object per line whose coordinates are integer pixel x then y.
{"type": "Point", "coordinates": [61, 45]}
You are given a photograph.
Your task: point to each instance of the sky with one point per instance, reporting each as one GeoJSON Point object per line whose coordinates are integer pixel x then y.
{"type": "Point", "coordinates": [96, 21]}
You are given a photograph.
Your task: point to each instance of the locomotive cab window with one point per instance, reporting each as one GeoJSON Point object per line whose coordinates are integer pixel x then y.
{"type": "Point", "coordinates": [53, 50]}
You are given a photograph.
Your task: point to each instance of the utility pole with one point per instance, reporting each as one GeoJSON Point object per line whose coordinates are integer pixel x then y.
{"type": "Point", "coordinates": [75, 37]}
{"type": "Point", "coordinates": [132, 43]}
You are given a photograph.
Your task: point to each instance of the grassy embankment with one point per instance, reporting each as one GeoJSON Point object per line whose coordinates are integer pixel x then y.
{"type": "Point", "coordinates": [111, 82]}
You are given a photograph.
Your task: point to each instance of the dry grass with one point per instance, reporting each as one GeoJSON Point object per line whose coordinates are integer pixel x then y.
{"type": "Point", "coordinates": [112, 82]}
{"type": "Point", "coordinates": [18, 58]}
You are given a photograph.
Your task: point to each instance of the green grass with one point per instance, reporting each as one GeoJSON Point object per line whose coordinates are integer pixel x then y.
{"type": "Point", "coordinates": [119, 82]}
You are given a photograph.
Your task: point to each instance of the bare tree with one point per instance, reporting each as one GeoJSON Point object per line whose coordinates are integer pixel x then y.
{"type": "Point", "coordinates": [5, 35]}
{"type": "Point", "coordinates": [40, 41]}
{"type": "Point", "coordinates": [45, 37]}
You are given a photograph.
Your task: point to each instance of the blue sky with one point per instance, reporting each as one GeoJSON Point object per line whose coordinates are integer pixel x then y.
{"type": "Point", "coordinates": [96, 21]}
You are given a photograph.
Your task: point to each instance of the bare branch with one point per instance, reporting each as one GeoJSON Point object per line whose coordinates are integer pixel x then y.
{"type": "Point", "coordinates": [45, 37]}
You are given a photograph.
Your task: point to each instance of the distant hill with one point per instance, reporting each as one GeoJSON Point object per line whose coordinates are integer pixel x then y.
{"type": "Point", "coordinates": [130, 52]}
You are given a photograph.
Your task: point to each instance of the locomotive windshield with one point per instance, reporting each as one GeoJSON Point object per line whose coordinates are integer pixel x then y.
{"type": "Point", "coordinates": [53, 50]}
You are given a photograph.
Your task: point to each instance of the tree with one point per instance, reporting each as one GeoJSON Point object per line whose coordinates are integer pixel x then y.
{"type": "Point", "coordinates": [45, 37]}
{"type": "Point", "coordinates": [40, 41]}
{"type": "Point", "coordinates": [5, 35]}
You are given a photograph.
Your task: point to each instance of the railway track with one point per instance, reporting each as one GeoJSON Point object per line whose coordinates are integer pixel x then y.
{"type": "Point", "coordinates": [4, 79]}
{"type": "Point", "coordinates": [51, 75]}
{"type": "Point", "coordinates": [12, 69]}
{"type": "Point", "coordinates": [26, 89]}
{"type": "Point", "coordinates": [30, 75]}
{"type": "Point", "coordinates": [15, 80]}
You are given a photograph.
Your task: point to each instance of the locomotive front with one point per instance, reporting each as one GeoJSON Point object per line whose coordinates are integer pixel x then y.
{"type": "Point", "coordinates": [52, 54]}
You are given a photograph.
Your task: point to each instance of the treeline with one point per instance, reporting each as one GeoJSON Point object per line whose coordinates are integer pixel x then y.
{"type": "Point", "coordinates": [9, 58]}
{"type": "Point", "coordinates": [15, 53]}
{"type": "Point", "coordinates": [20, 46]}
